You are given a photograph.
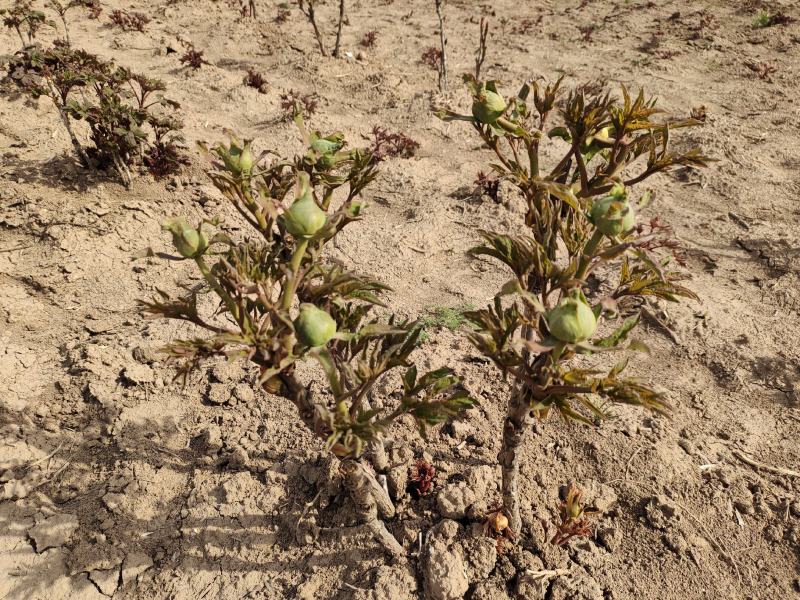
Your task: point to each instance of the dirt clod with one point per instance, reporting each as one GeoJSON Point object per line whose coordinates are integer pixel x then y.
{"type": "Point", "coordinates": [455, 499]}
{"type": "Point", "coordinates": [54, 531]}
{"type": "Point", "coordinates": [445, 572]}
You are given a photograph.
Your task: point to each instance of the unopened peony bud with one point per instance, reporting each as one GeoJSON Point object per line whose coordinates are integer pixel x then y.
{"type": "Point", "coordinates": [573, 320]}
{"type": "Point", "coordinates": [329, 144]}
{"type": "Point", "coordinates": [314, 327]}
{"type": "Point", "coordinates": [304, 218]}
{"type": "Point", "coordinates": [488, 105]}
{"type": "Point", "coordinates": [188, 241]}
{"type": "Point", "coordinates": [613, 214]}
{"type": "Point", "coordinates": [238, 159]}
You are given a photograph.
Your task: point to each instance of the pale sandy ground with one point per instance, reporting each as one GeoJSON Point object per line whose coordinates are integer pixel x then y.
{"type": "Point", "coordinates": [102, 437]}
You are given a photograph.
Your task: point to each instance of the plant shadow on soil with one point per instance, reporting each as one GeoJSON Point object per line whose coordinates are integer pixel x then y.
{"type": "Point", "coordinates": [229, 538]}
{"type": "Point", "coordinates": [62, 172]}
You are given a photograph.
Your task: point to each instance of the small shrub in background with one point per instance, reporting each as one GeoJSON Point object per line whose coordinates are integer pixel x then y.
{"type": "Point", "coordinates": [131, 123]}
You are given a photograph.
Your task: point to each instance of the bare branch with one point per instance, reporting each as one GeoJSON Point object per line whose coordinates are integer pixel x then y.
{"type": "Point", "coordinates": [443, 46]}
{"type": "Point", "coordinates": [339, 29]}
{"type": "Point", "coordinates": [308, 9]}
{"type": "Point", "coordinates": [480, 55]}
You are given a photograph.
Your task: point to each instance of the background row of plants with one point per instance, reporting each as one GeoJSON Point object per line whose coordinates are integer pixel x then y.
{"type": "Point", "coordinates": [132, 125]}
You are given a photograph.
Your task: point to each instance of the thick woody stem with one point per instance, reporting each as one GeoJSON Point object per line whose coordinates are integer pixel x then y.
{"type": "Point", "coordinates": [357, 481]}
{"type": "Point", "coordinates": [385, 537]}
{"type": "Point", "coordinates": [518, 421]}
{"type": "Point", "coordinates": [122, 169]}
{"type": "Point", "coordinates": [74, 139]}
{"type": "Point", "coordinates": [339, 29]}
{"type": "Point", "coordinates": [382, 499]}
{"type": "Point", "coordinates": [377, 454]}
{"type": "Point", "coordinates": [376, 449]}
{"type": "Point", "coordinates": [303, 399]}
{"type": "Point", "coordinates": [84, 158]}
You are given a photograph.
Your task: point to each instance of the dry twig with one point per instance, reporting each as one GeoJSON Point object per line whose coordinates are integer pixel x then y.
{"type": "Point", "coordinates": [763, 466]}
{"type": "Point", "coordinates": [483, 40]}
{"type": "Point", "coordinates": [443, 44]}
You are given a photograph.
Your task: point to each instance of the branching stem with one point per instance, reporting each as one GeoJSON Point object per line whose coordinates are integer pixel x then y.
{"type": "Point", "coordinates": [310, 12]}
{"type": "Point", "coordinates": [294, 265]}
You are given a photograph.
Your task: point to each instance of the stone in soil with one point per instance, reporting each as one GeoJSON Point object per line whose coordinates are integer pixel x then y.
{"type": "Point", "coordinates": [600, 497]}
{"type": "Point", "coordinates": [134, 565]}
{"type": "Point", "coordinates": [218, 393]}
{"type": "Point", "coordinates": [138, 373]}
{"type": "Point", "coordinates": [577, 585]}
{"type": "Point", "coordinates": [481, 554]}
{"type": "Point", "coordinates": [662, 513]}
{"type": "Point", "coordinates": [395, 582]}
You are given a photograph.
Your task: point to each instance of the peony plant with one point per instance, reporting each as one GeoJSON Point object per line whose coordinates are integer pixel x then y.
{"type": "Point", "coordinates": [280, 302]}
{"type": "Point", "coordinates": [583, 266]}
{"type": "Point", "coordinates": [23, 17]}
{"type": "Point", "coordinates": [131, 123]}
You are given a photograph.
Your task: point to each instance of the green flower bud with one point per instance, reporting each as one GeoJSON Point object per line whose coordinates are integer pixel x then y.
{"type": "Point", "coordinates": [327, 161]}
{"type": "Point", "coordinates": [488, 105]}
{"type": "Point", "coordinates": [329, 144]}
{"type": "Point", "coordinates": [326, 150]}
{"type": "Point", "coordinates": [313, 326]}
{"type": "Point", "coordinates": [238, 159]}
{"type": "Point", "coordinates": [246, 159]}
{"type": "Point", "coordinates": [613, 214]}
{"type": "Point", "coordinates": [188, 241]}
{"type": "Point", "coordinates": [573, 320]}
{"type": "Point", "coordinates": [304, 218]}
